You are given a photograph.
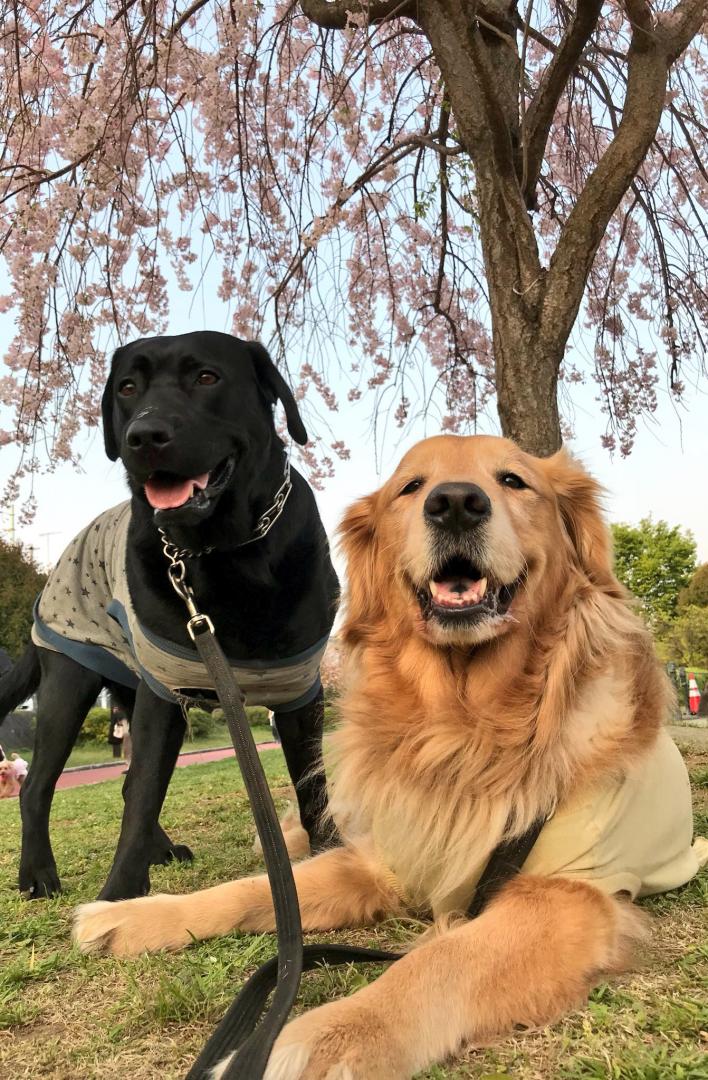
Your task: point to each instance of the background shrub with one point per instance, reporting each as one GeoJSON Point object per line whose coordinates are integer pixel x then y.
{"type": "Point", "coordinates": [202, 724]}
{"type": "Point", "coordinates": [257, 714]}
{"type": "Point", "coordinates": [95, 727]}
{"type": "Point", "coordinates": [331, 716]}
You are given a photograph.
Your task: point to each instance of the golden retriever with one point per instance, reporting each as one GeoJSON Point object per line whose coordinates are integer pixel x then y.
{"type": "Point", "coordinates": [497, 672]}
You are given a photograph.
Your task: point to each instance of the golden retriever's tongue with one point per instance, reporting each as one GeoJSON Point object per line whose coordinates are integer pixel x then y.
{"type": "Point", "coordinates": [458, 592]}
{"type": "Point", "coordinates": [167, 492]}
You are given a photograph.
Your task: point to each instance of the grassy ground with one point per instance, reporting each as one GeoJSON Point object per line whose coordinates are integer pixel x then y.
{"type": "Point", "coordinates": [64, 1016]}
{"type": "Point", "coordinates": [102, 753]}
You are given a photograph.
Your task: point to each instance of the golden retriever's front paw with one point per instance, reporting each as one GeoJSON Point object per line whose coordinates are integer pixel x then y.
{"type": "Point", "coordinates": [296, 839]}
{"type": "Point", "coordinates": [345, 1040]}
{"type": "Point", "coordinates": [129, 927]}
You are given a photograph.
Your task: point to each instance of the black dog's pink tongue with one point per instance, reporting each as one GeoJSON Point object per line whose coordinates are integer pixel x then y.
{"type": "Point", "coordinates": [165, 492]}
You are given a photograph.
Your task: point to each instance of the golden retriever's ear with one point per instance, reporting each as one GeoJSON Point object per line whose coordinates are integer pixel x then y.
{"type": "Point", "coordinates": [579, 501]}
{"type": "Point", "coordinates": [358, 542]}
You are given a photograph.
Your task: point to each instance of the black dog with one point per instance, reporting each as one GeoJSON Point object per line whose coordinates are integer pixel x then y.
{"type": "Point", "coordinates": [191, 417]}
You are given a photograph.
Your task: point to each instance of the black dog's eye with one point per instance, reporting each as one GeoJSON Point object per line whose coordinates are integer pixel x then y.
{"type": "Point", "coordinates": [411, 486]}
{"type": "Point", "coordinates": [510, 479]}
{"type": "Point", "coordinates": [207, 378]}
{"type": "Point", "coordinates": [127, 388]}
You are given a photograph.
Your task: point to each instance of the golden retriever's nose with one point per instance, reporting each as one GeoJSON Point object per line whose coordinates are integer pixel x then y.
{"type": "Point", "coordinates": [457, 507]}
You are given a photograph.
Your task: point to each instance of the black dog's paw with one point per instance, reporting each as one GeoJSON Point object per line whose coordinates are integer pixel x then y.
{"type": "Point", "coordinates": [39, 884]}
{"type": "Point", "coordinates": [322, 838]}
{"type": "Point", "coordinates": [124, 889]}
{"type": "Point", "coordinates": [161, 856]}
{"type": "Point", "coordinates": [181, 853]}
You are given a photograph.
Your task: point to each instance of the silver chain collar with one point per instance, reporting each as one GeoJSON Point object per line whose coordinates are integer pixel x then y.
{"type": "Point", "coordinates": [269, 517]}
{"type": "Point", "coordinates": [262, 527]}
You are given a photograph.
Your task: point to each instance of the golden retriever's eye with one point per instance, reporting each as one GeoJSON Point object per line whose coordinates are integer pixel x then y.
{"type": "Point", "coordinates": [411, 486]}
{"type": "Point", "coordinates": [127, 388]}
{"type": "Point", "coordinates": [207, 378]}
{"type": "Point", "coordinates": [510, 479]}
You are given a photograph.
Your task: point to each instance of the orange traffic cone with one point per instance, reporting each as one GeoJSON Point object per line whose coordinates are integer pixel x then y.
{"type": "Point", "coordinates": [694, 694]}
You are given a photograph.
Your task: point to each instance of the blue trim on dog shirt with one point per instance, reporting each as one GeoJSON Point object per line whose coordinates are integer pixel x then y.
{"type": "Point", "coordinates": [93, 657]}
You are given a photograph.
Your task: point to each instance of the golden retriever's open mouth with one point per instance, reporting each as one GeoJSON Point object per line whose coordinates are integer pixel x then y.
{"type": "Point", "coordinates": [461, 593]}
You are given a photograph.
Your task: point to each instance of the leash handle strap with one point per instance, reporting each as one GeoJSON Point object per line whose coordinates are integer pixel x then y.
{"type": "Point", "coordinates": [505, 862]}
{"type": "Point", "coordinates": [252, 1057]}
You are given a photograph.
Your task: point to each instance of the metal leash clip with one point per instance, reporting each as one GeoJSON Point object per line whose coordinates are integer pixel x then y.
{"type": "Point", "coordinates": [198, 623]}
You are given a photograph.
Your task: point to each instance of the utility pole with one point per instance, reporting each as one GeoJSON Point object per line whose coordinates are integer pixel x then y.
{"type": "Point", "coordinates": [47, 536]}
{"type": "Point", "coordinates": [10, 530]}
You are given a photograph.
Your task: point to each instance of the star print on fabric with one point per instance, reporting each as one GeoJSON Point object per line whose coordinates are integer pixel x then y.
{"type": "Point", "coordinates": [67, 590]}
{"type": "Point", "coordinates": [96, 527]}
{"type": "Point", "coordinates": [70, 623]}
{"type": "Point", "coordinates": [75, 562]}
{"type": "Point", "coordinates": [101, 565]}
{"type": "Point", "coordinates": [84, 591]}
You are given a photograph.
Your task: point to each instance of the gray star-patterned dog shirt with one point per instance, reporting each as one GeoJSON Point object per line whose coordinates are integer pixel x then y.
{"type": "Point", "coordinates": [85, 611]}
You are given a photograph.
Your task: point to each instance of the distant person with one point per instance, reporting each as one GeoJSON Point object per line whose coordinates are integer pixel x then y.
{"type": "Point", "coordinates": [121, 731]}
{"type": "Point", "coordinates": [115, 741]}
{"type": "Point", "coordinates": [20, 765]}
{"type": "Point", "coordinates": [273, 728]}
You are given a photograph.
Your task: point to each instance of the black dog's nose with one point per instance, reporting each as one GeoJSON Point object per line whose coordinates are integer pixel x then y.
{"type": "Point", "coordinates": [457, 506]}
{"type": "Point", "coordinates": [148, 432]}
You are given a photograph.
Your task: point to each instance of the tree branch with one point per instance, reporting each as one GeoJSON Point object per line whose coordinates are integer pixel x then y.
{"type": "Point", "coordinates": [335, 14]}
{"type": "Point", "coordinates": [541, 111]}
{"type": "Point", "coordinates": [480, 69]}
{"type": "Point", "coordinates": [187, 15]}
{"type": "Point", "coordinates": [677, 28]}
{"type": "Point", "coordinates": [650, 55]}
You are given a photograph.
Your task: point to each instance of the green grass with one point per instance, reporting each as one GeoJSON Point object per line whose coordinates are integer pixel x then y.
{"type": "Point", "coordinates": [102, 753]}
{"type": "Point", "coordinates": [63, 1015]}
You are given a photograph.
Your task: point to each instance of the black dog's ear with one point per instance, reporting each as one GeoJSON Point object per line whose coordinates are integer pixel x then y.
{"type": "Point", "coordinates": [276, 388]}
{"type": "Point", "coordinates": [109, 436]}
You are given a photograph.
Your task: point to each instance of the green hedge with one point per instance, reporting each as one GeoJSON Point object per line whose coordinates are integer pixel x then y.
{"type": "Point", "coordinates": [256, 714]}
{"type": "Point", "coordinates": [331, 716]}
{"type": "Point", "coordinates": [202, 724]}
{"type": "Point", "coordinates": [95, 727]}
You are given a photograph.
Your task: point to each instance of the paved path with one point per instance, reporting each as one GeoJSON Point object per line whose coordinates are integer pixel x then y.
{"type": "Point", "coordinates": [695, 737]}
{"type": "Point", "coordinates": [96, 775]}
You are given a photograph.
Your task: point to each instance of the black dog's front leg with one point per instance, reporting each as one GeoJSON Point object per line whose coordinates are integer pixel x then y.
{"type": "Point", "coordinates": [157, 732]}
{"type": "Point", "coordinates": [300, 734]}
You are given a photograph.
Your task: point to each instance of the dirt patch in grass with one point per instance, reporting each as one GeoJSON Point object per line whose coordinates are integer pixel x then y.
{"type": "Point", "coordinates": [64, 1015]}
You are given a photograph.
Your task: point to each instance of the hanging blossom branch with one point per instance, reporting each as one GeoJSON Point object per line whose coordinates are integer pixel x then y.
{"type": "Point", "coordinates": [352, 181]}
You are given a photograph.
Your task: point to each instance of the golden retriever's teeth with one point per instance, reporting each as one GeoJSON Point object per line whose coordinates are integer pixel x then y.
{"type": "Point", "coordinates": [481, 588]}
{"type": "Point", "coordinates": [434, 588]}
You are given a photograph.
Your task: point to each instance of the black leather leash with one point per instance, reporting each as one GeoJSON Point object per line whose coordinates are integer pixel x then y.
{"type": "Point", "coordinates": [246, 1030]}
